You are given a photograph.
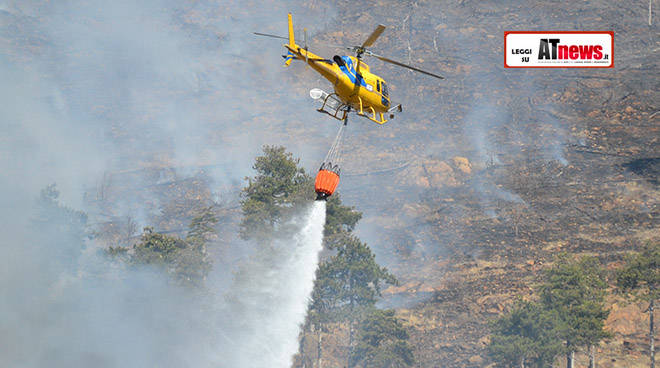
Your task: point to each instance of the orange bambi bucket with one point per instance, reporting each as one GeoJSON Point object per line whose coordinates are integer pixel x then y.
{"type": "Point", "coordinates": [326, 183]}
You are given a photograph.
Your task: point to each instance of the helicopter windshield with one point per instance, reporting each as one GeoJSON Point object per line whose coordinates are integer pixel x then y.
{"type": "Point", "coordinates": [384, 88]}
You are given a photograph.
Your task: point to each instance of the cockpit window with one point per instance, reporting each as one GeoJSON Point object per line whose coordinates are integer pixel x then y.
{"type": "Point", "coordinates": [384, 87]}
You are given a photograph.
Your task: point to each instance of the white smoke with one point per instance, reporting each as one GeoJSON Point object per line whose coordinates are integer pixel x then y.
{"type": "Point", "coordinates": [90, 88]}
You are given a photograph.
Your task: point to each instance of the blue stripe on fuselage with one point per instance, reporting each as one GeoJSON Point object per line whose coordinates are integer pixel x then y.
{"type": "Point", "coordinates": [349, 70]}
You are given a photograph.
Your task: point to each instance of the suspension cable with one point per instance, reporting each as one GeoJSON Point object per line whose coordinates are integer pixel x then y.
{"type": "Point", "coordinates": [333, 157]}
{"type": "Point", "coordinates": [334, 152]}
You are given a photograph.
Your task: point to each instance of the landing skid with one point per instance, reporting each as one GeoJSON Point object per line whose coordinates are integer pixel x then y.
{"type": "Point", "coordinates": [333, 106]}
{"type": "Point", "coordinates": [378, 118]}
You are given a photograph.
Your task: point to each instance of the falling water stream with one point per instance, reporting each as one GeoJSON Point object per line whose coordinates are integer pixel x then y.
{"type": "Point", "coordinates": [298, 285]}
{"type": "Point", "coordinates": [273, 299]}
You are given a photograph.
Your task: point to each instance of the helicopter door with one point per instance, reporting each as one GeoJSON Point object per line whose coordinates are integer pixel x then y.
{"type": "Point", "coordinates": [385, 100]}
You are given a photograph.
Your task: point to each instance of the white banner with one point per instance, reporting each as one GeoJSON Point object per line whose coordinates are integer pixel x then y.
{"type": "Point", "coordinates": [558, 49]}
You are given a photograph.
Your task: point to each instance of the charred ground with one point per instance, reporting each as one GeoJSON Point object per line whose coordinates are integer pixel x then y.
{"type": "Point", "coordinates": [486, 175]}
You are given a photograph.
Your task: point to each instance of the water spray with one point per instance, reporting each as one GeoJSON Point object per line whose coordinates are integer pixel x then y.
{"type": "Point", "coordinates": [269, 302]}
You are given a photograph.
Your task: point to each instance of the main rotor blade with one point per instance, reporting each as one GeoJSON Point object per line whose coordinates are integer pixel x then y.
{"type": "Point", "coordinates": [373, 36]}
{"type": "Point", "coordinates": [315, 42]}
{"type": "Point", "coordinates": [387, 60]}
{"type": "Point", "coordinates": [270, 35]}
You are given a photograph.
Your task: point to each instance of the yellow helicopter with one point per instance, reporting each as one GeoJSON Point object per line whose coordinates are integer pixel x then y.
{"type": "Point", "coordinates": [355, 87]}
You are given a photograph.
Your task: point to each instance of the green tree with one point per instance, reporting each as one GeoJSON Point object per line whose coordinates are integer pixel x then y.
{"type": "Point", "coordinates": [339, 224]}
{"type": "Point", "coordinates": [382, 342]}
{"type": "Point", "coordinates": [348, 283]}
{"type": "Point", "coordinates": [156, 248]}
{"type": "Point", "coordinates": [202, 227]}
{"type": "Point", "coordinates": [185, 259]}
{"type": "Point", "coordinates": [526, 336]}
{"type": "Point", "coordinates": [274, 193]}
{"type": "Point", "coordinates": [575, 290]}
{"type": "Point", "coordinates": [339, 218]}
{"type": "Point", "coordinates": [640, 279]}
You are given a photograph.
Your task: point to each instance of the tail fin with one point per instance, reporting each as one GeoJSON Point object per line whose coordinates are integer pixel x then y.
{"type": "Point", "coordinates": [292, 43]}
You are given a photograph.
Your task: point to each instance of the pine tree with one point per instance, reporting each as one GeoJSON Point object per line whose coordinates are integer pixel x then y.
{"type": "Point", "coordinates": [576, 290]}
{"type": "Point", "coordinates": [640, 279]}
{"type": "Point", "coordinates": [202, 227]}
{"type": "Point", "coordinates": [339, 218]}
{"type": "Point", "coordinates": [349, 283]}
{"type": "Point", "coordinates": [185, 259]}
{"type": "Point", "coordinates": [273, 194]}
{"type": "Point", "coordinates": [382, 342]}
{"type": "Point", "coordinates": [526, 336]}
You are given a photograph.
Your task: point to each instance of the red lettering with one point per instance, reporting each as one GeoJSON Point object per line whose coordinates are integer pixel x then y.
{"type": "Point", "coordinates": [586, 51]}
{"type": "Point", "coordinates": [598, 54]}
